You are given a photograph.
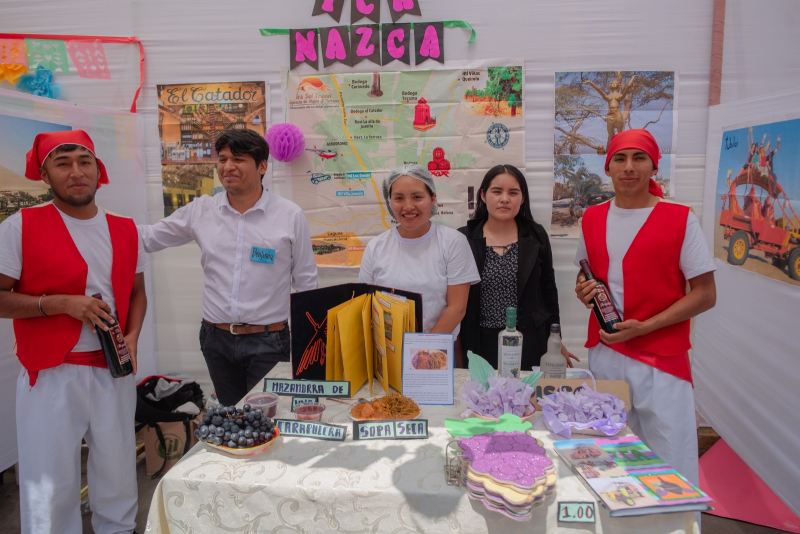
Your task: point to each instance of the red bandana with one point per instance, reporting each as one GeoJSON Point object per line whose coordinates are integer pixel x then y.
{"type": "Point", "coordinates": [45, 143]}
{"type": "Point", "coordinates": [640, 140]}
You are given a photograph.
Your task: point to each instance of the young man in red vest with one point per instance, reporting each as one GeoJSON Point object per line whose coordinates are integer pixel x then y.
{"type": "Point", "coordinates": [645, 249]}
{"type": "Point", "coordinates": [54, 257]}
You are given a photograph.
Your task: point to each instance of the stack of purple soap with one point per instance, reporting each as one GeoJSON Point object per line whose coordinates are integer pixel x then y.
{"type": "Point", "coordinates": [508, 471]}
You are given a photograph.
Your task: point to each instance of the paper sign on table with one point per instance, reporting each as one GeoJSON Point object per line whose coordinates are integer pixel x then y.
{"type": "Point", "coordinates": [576, 512]}
{"type": "Point", "coordinates": [307, 388]}
{"type": "Point", "coordinates": [546, 386]}
{"type": "Point", "coordinates": [428, 368]}
{"type": "Point", "coordinates": [311, 429]}
{"type": "Point", "coordinates": [303, 401]}
{"type": "Point", "coordinates": [391, 429]}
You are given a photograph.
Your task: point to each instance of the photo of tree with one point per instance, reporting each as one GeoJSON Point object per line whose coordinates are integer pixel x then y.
{"type": "Point", "coordinates": [590, 107]}
{"type": "Point", "coordinates": [501, 95]}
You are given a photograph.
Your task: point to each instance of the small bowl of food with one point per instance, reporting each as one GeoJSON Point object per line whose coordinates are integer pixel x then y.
{"type": "Point", "coordinates": [268, 402]}
{"type": "Point", "coordinates": [392, 406]}
{"type": "Point", "coordinates": [309, 412]}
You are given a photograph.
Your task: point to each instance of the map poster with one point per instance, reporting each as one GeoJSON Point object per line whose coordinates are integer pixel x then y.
{"type": "Point", "coordinates": [757, 227]}
{"type": "Point", "coordinates": [458, 123]}
{"type": "Point", "coordinates": [190, 119]}
{"type": "Point", "coordinates": [590, 107]}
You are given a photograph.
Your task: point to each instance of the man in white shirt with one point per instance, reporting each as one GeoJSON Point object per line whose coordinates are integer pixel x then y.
{"type": "Point", "coordinates": [646, 249]}
{"type": "Point", "coordinates": [255, 247]}
{"type": "Point", "coordinates": [55, 258]}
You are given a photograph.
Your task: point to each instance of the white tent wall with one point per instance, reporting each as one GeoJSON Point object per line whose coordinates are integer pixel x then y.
{"type": "Point", "coordinates": [205, 41]}
{"type": "Point", "coordinates": [761, 41]}
{"type": "Point", "coordinates": [202, 42]}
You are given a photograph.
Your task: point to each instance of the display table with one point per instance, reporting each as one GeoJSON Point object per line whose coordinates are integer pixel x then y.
{"type": "Point", "coordinates": [306, 485]}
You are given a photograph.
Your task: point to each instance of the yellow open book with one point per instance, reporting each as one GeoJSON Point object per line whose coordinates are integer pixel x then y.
{"type": "Point", "coordinates": [352, 332]}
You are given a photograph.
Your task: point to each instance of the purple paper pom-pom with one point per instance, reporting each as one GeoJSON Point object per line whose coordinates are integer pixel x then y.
{"type": "Point", "coordinates": [286, 141]}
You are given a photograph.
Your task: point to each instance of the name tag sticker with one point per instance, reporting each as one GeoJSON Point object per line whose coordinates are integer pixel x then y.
{"type": "Point", "coordinates": [311, 429]}
{"type": "Point", "coordinates": [262, 255]}
{"type": "Point", "coordinates": [391, 429]}
{"type": "Point", "coordinates": [576, 512]}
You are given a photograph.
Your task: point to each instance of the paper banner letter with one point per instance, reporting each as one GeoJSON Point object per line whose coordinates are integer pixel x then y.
{"type": "Point", "coordinates": [331, 7]}
{"type": "Point", "coordinates": [51, 54]}
{"type": "Point", "coordinates": [429, 41]}
{"type": "Point", "coordinates": [398, 8]}
{"type": "Point", "coordinates": [365, 8]}
{"type": "Point", "coordinates": [396, 43]}
{"type": "Point", "coordinates": [89, 58]}
{"type": "Point", "coordinates": [303, 48]}
{"type": "Point", "coordinates": [335, 45]}
{"type": "Point", "coordinates": [12, 52]}
{"type": "Point", "coordinates": [365, 43]}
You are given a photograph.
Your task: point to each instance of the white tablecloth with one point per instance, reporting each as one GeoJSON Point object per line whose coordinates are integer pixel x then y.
{"type": "Point", "coordinates": [305, 485]}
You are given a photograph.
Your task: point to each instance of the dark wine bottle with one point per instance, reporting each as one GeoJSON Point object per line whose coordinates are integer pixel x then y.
{"type": "Point", "coordinates": [604, 309]}
{"type": "Point", "coordinates": [112, 342]}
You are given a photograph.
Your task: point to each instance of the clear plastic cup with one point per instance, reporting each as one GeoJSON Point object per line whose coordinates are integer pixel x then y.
{"type": "Point", "coordinates": [268, 402]}
{"type": "Point", "coordinates": [309, 412]}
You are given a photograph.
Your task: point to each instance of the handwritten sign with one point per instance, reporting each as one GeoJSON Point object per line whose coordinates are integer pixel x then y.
{"type": "Point", "coordinates": [391, 429]}
{"type": "Point", "coordinates": [576, 512]}
{"type": "Point", "coordinates": [311, 429]}
{"type": "Point", "coordinates": [307, 388]}
{"type": "Point", "coordinates": [262, 255]}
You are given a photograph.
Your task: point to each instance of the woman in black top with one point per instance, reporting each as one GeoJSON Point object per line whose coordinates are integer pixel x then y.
{"type": "Point", "coordinates": [514, 258]}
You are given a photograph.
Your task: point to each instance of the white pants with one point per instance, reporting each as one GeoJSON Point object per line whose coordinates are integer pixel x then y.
{"type": "Point", "coordinates": [67, 404]}
{"type": "Point", "coordinates": [662, 408]}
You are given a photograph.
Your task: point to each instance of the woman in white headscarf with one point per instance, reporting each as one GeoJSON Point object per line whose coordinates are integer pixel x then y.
{"type": "Point", "coordinates": [419, 255]}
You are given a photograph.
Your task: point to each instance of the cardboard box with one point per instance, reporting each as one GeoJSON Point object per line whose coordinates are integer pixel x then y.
{"type": "Point", "coordinates": [174, 439]}
{"type": "Point", "coordinates": [546, 386]}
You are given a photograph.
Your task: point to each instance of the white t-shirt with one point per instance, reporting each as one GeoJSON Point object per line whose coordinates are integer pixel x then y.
{"type": "Point", "coordinates": [621, 228]}
{"type": "Point", "coordinates": [425, 265]}
{"type": "Point", "coordinates": [93, 241]}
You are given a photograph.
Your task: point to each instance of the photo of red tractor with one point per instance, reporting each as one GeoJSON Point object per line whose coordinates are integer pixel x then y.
{"type": "Point", "coordinates": [766, 221]}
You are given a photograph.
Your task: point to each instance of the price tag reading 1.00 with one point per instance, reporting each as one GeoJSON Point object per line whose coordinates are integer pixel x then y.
{"type": "Point", "coordinates": [576, 512]}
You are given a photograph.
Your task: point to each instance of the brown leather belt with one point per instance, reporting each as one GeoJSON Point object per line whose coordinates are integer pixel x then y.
{"type": "Point", "coordinates": [238, 329]}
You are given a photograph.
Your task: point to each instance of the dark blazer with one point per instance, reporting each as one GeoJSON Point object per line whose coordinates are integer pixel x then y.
{"type": "Point", "coordinates": [537, 296]}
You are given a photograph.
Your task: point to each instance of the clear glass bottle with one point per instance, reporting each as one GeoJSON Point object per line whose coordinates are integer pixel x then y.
{"type": "Point", "coordinates": [509, 347]}
{"type": "Point", "coordinates": [553, 364]}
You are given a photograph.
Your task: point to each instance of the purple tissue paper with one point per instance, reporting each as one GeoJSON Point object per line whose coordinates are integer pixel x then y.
{"type": "Point", "coordinates": [585, 409]}
{"type": "Point", "coordinates": [505, 395]}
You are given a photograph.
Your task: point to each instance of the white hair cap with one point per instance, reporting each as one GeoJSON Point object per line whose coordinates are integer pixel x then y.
{"type": "Point", "coordinates": [418, 172]}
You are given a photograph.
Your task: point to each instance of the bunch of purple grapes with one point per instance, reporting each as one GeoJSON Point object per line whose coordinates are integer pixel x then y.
{"type": "Point", "coordinates": [235, 428]}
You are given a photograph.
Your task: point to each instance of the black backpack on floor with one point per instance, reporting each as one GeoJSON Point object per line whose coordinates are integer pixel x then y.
{"type": "Point", "coordinates": [150, 412]}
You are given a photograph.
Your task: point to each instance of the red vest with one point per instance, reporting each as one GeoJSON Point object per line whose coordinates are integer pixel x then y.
{"type": "Point", "coordinates": [52, 265]}
{"type": "Point", "coordinates": [653, 282]}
